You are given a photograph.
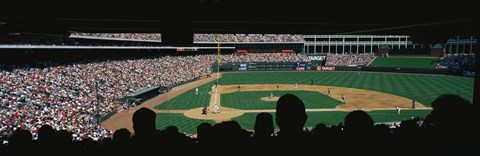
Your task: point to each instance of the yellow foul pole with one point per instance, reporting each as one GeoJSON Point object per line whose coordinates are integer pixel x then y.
{"type": "Point", "coordinates": [218, 57]}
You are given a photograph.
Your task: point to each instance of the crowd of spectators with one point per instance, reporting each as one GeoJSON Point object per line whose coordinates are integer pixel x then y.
{"type": "Point", "coordinates": [267, 57]}
{"type": "Point", "coordinates": [456, 61]}
{"type": "Point", "coordinates": [135, 36]}
{"type": "Point", "coordinates": [249, 38]}
{"type": "Point", "coordinates": [71, 42]}
{"type": "Point", "coordinates": [349, 59]}
{"type": "Point", "coordinates": [65, 96]}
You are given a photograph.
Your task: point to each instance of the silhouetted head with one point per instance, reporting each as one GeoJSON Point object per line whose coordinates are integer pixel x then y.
{"type": "Point", "coordinates": [46, 133]}
{"type": "Point", "coordinates": [264, 124]}
{"type": "Point", "coordinates": [319, 128]}
{"type": "Point", "coordinates": [358, 121]}
{"type": "Point", "coordinates": [122, 135]}
{"type": "Point", "coordinates": [450, 110]}
{"type": "Point", "coordinates": [228, 132]}
{"type": "Point", "coordinates": [64, 137]}
{"type": "Point", "coordinates": [20, 138]}
{"type": "Point", "coordinates": [203, 131]}
{"type": "Point", "coordinates": [144, 121]}
{"type": "Point", "coordinates": [171, 130]}
{"type": "Point", "coordinates": [290, 114]}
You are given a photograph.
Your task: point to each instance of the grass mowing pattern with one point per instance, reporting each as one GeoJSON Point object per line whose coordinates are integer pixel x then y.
{"type": "Point", "coordinates": [423, 88]}
{"type": "Point", "coordinates": [183, 123]}
{"type": "Point", "coordinates": [405, 62]}
{"type": "Point", "coordinates": [188, 100]}
{"type": "Point", "coordinates": [247, 121]}
{"type": "Point", "coordinates": [249, 100]}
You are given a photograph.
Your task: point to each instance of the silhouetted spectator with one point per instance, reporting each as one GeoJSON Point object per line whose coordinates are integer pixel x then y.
{"type": "Point", "coordinates": [204, 133]}
{"type": "Point", "coordinates": [450, 116]}
{"type": "Point", "coordinates": [144, 127]}
{"type": "Point", "coordinates": [121, 138]}
{"type": "Point", "coordinates": [263, 128]}
{"type": "Point", "coordinates": [21, 139]}
{"type": "Point", "coordinates": [290, 118]}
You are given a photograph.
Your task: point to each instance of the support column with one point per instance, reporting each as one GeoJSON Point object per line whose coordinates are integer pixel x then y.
{"type": "Point", "coordinates": [371, 44]}
{"type": "Point", "coordinates": [329, 41]}
{"type": "Point", "coordinates": [350, 50]}
{"type": "Point", "coordinates": [315, 45]}
{"type": "Point", "coordinates": [343, 45]}
{"type": "Point", "coordinates": [399, 40]}
{"type": "Point", "coordinates": [406, 42]}
{"type": "Point", "coordinates": [358, 44]}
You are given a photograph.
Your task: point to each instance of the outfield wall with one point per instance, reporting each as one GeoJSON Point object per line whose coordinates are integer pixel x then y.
{"type": "Point", "coordinates": [404, 70]}
{"type": "Point", "coordinates": [300, 66]}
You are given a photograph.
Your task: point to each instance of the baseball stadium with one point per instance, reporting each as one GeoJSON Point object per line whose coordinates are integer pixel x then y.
{"type": "Point", "coordinates": [104, 84]}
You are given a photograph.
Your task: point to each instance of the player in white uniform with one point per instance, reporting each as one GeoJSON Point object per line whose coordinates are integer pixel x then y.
{"type": "Point", "coordinates": [196, 91]}
{"type": "Point", "coordinates": [398, 110]}
{"type": "Point", "coordinates": [216, 109]}
{"type": "Point", "coordinates": [344, 98]}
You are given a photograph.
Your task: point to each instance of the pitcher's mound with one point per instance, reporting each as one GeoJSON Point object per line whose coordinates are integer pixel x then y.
{"type": "Point", "coordinates": [275, 98]}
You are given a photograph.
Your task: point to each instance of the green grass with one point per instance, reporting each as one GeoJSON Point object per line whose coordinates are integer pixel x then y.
{"type": "Point", "coordinates": [188, 100]}
{"type": "Point", "coordinates": [423, 88]}
{"type": "Point", "coordinates": [183, 123]}
{"type": "Point", "coordinates": [247, 121]}
{"type": "Point", "coordinates": [251, 99]}
{"type": "Point", "coordinates": [405, 62]}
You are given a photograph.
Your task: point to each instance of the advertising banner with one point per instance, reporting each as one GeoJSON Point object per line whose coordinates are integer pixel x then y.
{"type": "Point", "coordinates": [323, 68]}
{"type": "Point", "coordinates": [243, 67]}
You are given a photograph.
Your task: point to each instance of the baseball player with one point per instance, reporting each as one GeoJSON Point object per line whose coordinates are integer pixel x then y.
{"type": "Point", "coordinates": [216, 109]}
{"type": "Point", "coordinates": [204, 110]}
{"type": "Point", "coordinates": [196, 91]}
{"type": "Point", "coordinates": [329, 92]}
{"type": "Point", "coordinates": [296, 85]}
{"type": "Point", "coordinates": [398, 110]}
{"type": "Point", "coordinates": [271, 95]}
{"type": "Point", "coordinates": [344, 99]}
{"type": "Point", "coordinates": [413, 104]}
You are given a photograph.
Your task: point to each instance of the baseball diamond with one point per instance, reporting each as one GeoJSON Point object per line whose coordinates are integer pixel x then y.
{"type": "Point", "coordinates": [376, 93]}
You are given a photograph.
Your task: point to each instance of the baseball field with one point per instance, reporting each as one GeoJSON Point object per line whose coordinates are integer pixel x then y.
{"type": "Point", "coordinates": [243, 95]}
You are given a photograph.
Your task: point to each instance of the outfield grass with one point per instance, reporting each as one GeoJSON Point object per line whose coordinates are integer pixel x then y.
{"type": "Point", "coordinates": [183, 123]}
{"type": "Point", "coordinates": [423, 88]}
{"type": "Point", "coordinates": [247, 121]}
{"type": "Point", "coordinates": [188, 100]}
{"type": "Point", "coordinates": [251, 99]}
{"type": "Point", "coordinates": [405, 62]}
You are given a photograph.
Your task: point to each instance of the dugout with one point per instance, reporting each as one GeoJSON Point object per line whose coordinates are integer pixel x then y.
{"type": "Point", "coordinates": [143, 95]}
